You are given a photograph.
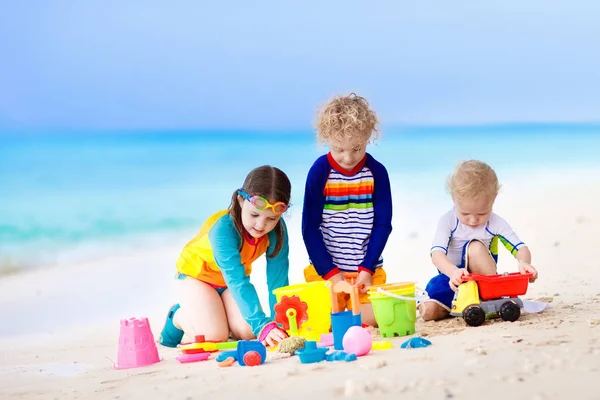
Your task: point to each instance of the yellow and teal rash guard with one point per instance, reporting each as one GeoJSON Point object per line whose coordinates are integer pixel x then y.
{"type": "Point", "coordinates": [214, 257]}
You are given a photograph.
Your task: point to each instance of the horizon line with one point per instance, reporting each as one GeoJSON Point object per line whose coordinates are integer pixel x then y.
{"type": "Point", "coordinates": [287, 130]}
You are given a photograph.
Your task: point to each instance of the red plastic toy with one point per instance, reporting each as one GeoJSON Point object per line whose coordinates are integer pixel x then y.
{"type": "Point", "coordinates": [496, 286]}
{"type": "Point", "coordinates": [486, 296]}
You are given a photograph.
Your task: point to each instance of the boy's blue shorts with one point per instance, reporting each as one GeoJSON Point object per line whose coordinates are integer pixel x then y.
{"type": "Point", "coordinates": [438, 288]}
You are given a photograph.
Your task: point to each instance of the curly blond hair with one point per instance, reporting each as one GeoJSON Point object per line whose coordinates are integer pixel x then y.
{"type": "Point", "coordinates": [347, 117]}
{"type": "Point", "coordinates": [473, 179]}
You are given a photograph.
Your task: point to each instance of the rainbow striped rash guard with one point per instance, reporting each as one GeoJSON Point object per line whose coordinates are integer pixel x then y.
{"type": "Point", "coordinates": [451, 236]}
{"type": "Point", "coordinates": [347, 215]}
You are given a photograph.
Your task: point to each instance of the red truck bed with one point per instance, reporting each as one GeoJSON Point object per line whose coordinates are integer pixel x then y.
{"type": "Point", "coordinates": [496, 286]}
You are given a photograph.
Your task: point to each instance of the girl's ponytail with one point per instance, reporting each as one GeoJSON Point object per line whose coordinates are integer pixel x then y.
{"type": "Point", "coordinates": [236, 215]}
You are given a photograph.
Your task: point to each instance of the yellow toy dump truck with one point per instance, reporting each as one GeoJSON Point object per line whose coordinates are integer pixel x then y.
{"type": "Point", "coordinates": [488, 296]}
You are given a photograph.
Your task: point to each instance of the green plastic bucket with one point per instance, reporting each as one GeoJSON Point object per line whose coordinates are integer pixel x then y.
{"type": "Point", "coordinates": [395, 308]}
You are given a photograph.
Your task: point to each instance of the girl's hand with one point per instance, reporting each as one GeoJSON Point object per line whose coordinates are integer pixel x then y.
{"type": "Point", "coordinates": [525, 268]}
{"type": "Point", "coordinates": [364, 281]}
{"type": "Point", "coordinates": [456, 277]}
{"type": "Point", "coordinates": [275, 336]}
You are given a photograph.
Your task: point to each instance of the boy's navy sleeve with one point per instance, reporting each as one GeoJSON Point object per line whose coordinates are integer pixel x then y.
{"type": "Point", "coordinates": [277, 267]}
{"type": "Point", "coordinates": [312, 210]}
{"type": "Point", "coordinates": [382, 207]}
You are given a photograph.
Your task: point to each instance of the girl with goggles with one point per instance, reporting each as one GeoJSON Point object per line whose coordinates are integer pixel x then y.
{"type": "Point", "coordinates": [214, 267]}
{"type": "Point", "coordinates": [262, 204]}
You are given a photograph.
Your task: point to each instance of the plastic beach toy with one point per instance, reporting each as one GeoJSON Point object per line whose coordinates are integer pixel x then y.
{"type": "Point", "coordinates": [416, 342]}
{"type": "Point", "coordinates": [190, 358]}
{"type": "Point", "coordinates": [290, 313]}
{"type": "Point", "coordinates": [315, 295]}
{"type": "Point", "coordinates": [311, 353]}
{"type": "Point", "coordinates": [357, 340]}
{"type": "Point", "coordinates": [201, 345]}
{"type": "Point", "coordinates": [326, 340]}
{"type": "Point", "coordinates": [395, 307]}
{"type": "Point", "coordinates": [136, 344]}
{"type": "Point", "coordinates": [341, 321]}
{"type": "Point", "coordinates": [340, 356]}
{"type": "Point", "coordinates": [382, 345]}
{"type": "Point", "coordinates": [248, 353]}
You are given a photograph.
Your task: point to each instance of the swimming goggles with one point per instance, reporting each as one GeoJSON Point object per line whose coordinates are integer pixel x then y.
{"type": "Point", "coordinates": [262, 204]}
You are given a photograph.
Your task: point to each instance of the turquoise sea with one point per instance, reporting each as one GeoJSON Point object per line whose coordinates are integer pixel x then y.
{"type": "Point", "coordinates": [77, 195]}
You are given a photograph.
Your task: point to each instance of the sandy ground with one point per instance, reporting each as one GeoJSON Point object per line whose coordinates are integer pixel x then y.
{"type": "Point", "coordinates": [60, 326]}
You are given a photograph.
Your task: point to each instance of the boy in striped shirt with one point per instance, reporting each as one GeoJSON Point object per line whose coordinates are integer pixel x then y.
{"type": "Point", "coordinates": [347, 212]}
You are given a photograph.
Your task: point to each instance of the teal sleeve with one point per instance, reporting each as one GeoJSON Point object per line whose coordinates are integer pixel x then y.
{"type": "Point", "coordinates": [225, 242]}
{"type": "Point", "coordinates": [278, 266]}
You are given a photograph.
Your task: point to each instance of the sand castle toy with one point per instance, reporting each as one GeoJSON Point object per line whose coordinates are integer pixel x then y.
{"type": "Point", "coordinates": [136, 344]}
{"type": "Point", "coordinates": [304, 309]}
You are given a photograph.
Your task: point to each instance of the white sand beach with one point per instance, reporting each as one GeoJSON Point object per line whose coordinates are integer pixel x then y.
{"type": "Point", "coordinates": [63, 322]}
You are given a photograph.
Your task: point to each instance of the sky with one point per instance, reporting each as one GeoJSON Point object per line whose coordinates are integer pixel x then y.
{"type": "Point", "coordinates": [113, 64]}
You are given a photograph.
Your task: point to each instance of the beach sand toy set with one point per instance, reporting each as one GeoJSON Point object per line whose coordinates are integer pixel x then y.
{"type": "Point", "coordinates": [304, 309]}
{"type": "Point", "coordinates": [350, 339]}
{"type": "Point", "coordinates": [395, 308]}
{"type": "Point", "coordinates": [311, 309]}
{"type": "Point", "coordinates": [136, 344]}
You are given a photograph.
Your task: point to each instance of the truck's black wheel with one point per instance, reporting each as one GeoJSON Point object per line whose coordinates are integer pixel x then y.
{"type": "Point", "coordinates": [510, 311]}
{"type": "Point", "coordinates": [474, 315]}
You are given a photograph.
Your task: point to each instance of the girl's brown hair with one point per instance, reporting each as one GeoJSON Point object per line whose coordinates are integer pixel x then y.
{"type": "Point", "coordinates": [270, 183]}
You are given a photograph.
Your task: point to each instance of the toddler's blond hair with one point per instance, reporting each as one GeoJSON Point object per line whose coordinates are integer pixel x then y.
{"type": "Point", "coordinates": [346, 117]}
{"type": "Point", "coordinates": [473, 179]}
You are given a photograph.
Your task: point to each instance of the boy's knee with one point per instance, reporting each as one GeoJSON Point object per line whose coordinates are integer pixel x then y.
{"type": "Point", "coordinates": [476, 248]}
{"type": "Point", "coordinates": [480, 260]}
{"type": "Point", "coordinates": [431, 311]}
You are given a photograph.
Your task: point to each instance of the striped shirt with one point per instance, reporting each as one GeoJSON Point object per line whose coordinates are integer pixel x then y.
{"type": "Point", "coordinates": [347, 215]}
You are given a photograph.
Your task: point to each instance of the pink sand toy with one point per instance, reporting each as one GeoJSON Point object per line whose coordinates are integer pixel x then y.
{"type": "Point", "coordinates": [194, 357]}
{"type": "Point", "coordinates": [136, 344]}
{"type": "Point", "coordinates": [326, 340]}
{"type": "Point", "coordinates": [357, 340]}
